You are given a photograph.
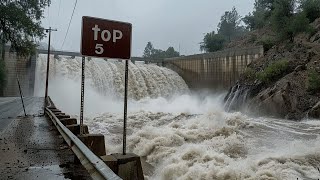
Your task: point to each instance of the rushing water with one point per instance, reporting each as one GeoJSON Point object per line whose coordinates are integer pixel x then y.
{"type": "Point", "coordinates": [181, 135]}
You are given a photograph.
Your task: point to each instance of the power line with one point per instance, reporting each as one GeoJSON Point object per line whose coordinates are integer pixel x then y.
{"type": "Point", "coordinates": [65, 37]}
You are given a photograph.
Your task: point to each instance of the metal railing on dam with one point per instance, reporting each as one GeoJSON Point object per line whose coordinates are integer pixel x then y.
{"type": "Point", "coordinates": [218, 70]}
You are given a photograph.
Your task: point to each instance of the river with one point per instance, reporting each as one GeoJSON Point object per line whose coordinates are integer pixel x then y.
{"type": "Point", "coordinates": [180, 134]}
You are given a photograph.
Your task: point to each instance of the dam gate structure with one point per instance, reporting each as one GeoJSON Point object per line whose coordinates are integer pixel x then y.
{"type": "Point", "coordinates": [217, 70]}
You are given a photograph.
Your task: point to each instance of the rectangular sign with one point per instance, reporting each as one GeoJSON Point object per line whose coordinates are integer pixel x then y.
{"type": "Point", "coordinates": [105, 38]}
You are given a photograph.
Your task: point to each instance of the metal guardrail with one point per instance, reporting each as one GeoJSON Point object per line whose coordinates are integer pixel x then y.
{"type": "Point", "coordinates": [77, 54]}
{"type": "Point", "coordinates": [93, 164]}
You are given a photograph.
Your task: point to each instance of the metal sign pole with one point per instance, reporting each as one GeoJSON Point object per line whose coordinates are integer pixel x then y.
{"type": "Point", "coordinates": [125, 108]}
{"type": "Point", "coordinates": [82, 95]}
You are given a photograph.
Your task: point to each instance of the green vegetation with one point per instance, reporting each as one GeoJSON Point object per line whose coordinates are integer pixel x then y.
{"type": "Point", "coordinates": [212, 42]}
{"type": "Point", "coordinates": [311, 9]}
{"type": "Point", "coordinates": [228, 29]}
{"type": "Point", "coordinates": [314, 81]}
{"type": "Point", "coordinates": [229, 25]}
{"type": "Point", "coordinates": [151, 52]}
{"type": "Point", "coordinates": [249, 74]}
{"type": "Point", "coordinates": [20, 24]}
{"type": "Point", "coordinates": [274, 71]}
{"type": "Point", "coordinates": [286, 17]}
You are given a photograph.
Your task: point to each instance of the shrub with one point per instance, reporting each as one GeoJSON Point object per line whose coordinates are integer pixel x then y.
{"type": "Point", "coordinates": [249, 74]}
{"type": "Point", "coordinates": [267, 43]}
{"type": "Point", "coordinates": [314, 81]}
{"type": "Point", "coordinates": [274, 71]}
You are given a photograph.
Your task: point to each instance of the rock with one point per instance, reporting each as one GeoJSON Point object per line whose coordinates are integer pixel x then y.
{"type": "Point", "coordinates": [315, 37]}
{"type": "Point", "coordinates": [315, 111]}
{"type": "Point", "coordinates": [300, 68]}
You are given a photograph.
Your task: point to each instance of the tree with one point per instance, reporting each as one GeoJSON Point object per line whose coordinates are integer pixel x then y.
{"type": "Point", "coordinates": [229, 24]}
{"type": "Point", "coordinates": [170, 52]}
{"type": "Point", "coordinates": [158, 53]}
{"type": "Point", "coordinates": [258, 19]}
{"type": "Point", "coordinates": [261, 14]}
{"type": "Point", "coordinates": [20, 23]}
{"type": "Point", "coordinates": [299, 23]}
{"type": "Point", "coordinates": [281, 18]}
{"type": "Point", "coordinates": [148, 50]}
{"type": "Point", "coordinates": [311, 9]}
{"type": "Point", "coordinates": [264, 5]}
{"type": "Point", "coordinates": [212, 42]}
{"type": "Point", "coordinates": [249, 20]}
{"type": "Point", "coordinates": [228, 29]}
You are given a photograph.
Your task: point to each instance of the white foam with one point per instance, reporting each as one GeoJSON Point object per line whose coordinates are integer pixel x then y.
{"type": "Point", "coordinates": [184, 136]}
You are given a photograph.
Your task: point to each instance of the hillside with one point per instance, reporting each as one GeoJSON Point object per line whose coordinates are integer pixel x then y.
{"type": "Point", "coordinates": [285, 82]}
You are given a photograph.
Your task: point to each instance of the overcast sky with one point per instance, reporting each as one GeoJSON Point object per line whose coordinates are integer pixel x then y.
{"type": "Point", "coordinates": [163, 22]}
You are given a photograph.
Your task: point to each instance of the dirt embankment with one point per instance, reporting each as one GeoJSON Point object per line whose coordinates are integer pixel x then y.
{"type": "Point", "coordinates": [283, 83]}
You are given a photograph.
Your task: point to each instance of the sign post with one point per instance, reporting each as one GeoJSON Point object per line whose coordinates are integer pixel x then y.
{"type": "Point", "coordinates": [125, 110]}
{"type": "Point", "coordinates": [107, 39]}
{"type": "Point", "coordinates": [82, 94]}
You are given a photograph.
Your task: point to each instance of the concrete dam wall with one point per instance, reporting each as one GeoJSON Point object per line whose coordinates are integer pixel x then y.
{"type": "Point", "coordinates": [217, 70]}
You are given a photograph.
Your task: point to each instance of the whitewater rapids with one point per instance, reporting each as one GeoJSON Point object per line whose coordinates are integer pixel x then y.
{"type": "Point", "coordinates": [182, 135]}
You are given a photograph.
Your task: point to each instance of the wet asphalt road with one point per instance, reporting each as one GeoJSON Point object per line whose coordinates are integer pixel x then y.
{"type": "Point", "coordinates": [30, 147]}
{"type": "Point", "coordinates": [11, 107]}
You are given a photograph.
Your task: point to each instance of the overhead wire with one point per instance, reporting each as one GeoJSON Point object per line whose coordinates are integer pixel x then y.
{"type": "Point", "coordinates": [65, 37]}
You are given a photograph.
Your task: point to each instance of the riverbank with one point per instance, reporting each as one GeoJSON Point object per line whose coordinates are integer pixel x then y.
{"type": "Point", "coordinates": [284, 83]}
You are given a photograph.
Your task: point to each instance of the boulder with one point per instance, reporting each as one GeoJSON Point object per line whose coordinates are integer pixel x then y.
{"type": "Point", "coordinates": [285, 99]}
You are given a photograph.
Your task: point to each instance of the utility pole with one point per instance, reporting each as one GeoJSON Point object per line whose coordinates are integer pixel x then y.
{"type": "Point", "coordinates": [48, 62]}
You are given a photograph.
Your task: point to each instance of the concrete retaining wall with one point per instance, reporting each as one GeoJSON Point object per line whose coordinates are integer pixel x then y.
{"type": "Point", "coordinates": [24, 69]}
{"type": "Point", "coordinates": [218, 70]}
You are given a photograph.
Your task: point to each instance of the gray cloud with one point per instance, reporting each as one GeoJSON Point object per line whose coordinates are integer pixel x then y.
{"type": "Point", "coordinates": [163, 22]}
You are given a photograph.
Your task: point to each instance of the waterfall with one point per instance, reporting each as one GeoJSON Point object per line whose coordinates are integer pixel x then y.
{"type": "Point", "coordinates": [236, 99]}
{"type": "Point", "coordinates": [107, 77]}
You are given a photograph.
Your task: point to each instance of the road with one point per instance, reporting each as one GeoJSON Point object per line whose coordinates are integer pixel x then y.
{"type": "Point", "coordinates": [30, 147]}
{"type": "Point", "coordinates": [9, 108]}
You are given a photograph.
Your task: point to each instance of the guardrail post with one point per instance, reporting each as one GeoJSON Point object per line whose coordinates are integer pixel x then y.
{"type": "Point", "coordinates": [126, 166]}
{"type": "Point", "coordinates": [95, 142]}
